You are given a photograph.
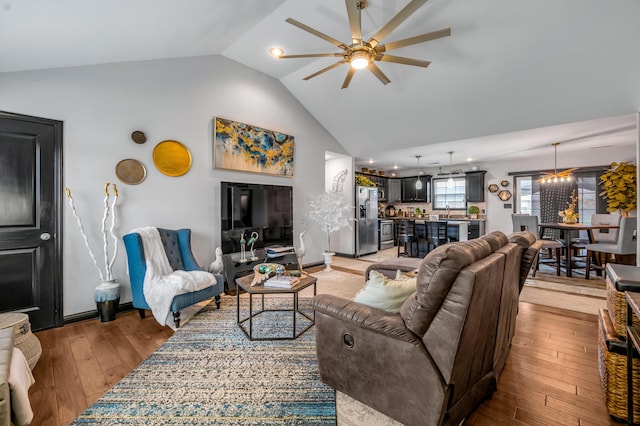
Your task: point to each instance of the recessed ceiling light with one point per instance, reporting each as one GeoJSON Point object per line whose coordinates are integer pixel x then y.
{"type": "Point", "coordinates": [276, 52]}
{"type": "Point", "coordinates": [469, 159]}
{"type": "Point", "coordinates": [395, 167]}
{"type": "Point", "coordinates": [370, 161]}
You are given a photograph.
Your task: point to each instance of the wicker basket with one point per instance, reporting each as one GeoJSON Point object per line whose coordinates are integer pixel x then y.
{"type": "Point", "coordinates": [612, 363]}
{"type": "Point", "coordinates": [617, 307]}
{"type": "Point", "coordinates": [24, 339]}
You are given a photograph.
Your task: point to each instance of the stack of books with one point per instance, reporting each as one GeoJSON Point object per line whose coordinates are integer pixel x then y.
{"type": "Point", "coordinates": [284, 281]}
{"type": "Point", "coordinates": [279, 251]}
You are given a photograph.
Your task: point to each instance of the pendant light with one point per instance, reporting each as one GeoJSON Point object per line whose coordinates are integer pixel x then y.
{"type": "Point", "coordinates": [450, 181]}
{"type": "Point", "coordinates": [418, 181]}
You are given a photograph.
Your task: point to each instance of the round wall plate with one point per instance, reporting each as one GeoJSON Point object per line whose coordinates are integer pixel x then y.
{"type": "Point", "coordinates": [138, 137]}
{"type": "Point", "coordinates": [172, 158]}
{"type": "Point", "coordinates": [131, 171]}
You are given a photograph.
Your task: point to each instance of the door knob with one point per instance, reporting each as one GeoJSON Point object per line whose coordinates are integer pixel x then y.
{"type": "Point", "coordinates": [45, 236]}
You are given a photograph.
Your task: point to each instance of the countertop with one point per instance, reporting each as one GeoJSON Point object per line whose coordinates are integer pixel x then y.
{"type": "Point", "coordinates": [450, 219]}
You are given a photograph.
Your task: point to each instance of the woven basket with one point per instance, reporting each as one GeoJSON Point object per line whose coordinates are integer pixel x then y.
{"type": "Point", "coordinates": [617, 307]}
{"type": "Point", "coordinates": [612, 363]}
{"type": "Point", "coordinates": [24, 339]}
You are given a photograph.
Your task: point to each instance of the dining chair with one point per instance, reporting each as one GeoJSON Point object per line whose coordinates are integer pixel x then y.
{"type": "Point", "coordinates": [526, 222]}
{"type": "Point", "coordinates": [622, 251]}
{"type": "Point", "coordinates": [597, 236]}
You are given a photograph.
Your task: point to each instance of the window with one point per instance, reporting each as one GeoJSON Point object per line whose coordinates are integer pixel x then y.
{"type": "Point", "coordinates": [452, 194]}
{"type": "Point", "coordinates": [527, 199]}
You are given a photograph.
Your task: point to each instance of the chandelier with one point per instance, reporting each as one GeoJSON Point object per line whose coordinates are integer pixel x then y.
{"type": "Point", "coordinates": [556, 176]}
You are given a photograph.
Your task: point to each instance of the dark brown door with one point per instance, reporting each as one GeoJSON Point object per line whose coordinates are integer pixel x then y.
{"type": "Point", "coordinates": [30, 218]}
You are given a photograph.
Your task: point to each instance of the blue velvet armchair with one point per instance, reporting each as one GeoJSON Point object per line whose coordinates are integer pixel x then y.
{"type": "Point", "coordinates": [177, 246]}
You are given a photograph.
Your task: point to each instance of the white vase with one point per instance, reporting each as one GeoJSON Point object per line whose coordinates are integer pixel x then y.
{"type": "Point", "coordinates": [107, 297]}
{"type": "Point", "coordinates": [328, 258]}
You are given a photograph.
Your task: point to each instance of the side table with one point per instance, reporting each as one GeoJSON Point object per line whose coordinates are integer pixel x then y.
{"type": "Point", "coordinates": [633, 342]}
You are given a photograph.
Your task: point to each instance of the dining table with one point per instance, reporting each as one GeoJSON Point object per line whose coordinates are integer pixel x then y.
{"type": "Point", "coordinates": [567, 235]}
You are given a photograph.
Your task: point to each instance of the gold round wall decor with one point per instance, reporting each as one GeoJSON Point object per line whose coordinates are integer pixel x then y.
{"type": "Point", "coordinates": [131, 171]}
{"type": "Point", "coordinates": [172, 158]}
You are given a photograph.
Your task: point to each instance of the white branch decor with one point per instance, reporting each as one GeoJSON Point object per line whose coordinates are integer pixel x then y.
{"type": "Point", "coordinates": [332, 212]}
{"type": "Point", "coordinates": [108, 210]}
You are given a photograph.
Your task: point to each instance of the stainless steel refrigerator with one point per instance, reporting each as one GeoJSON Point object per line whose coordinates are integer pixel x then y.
{"type": "Point", "coordinates": [366, 220]}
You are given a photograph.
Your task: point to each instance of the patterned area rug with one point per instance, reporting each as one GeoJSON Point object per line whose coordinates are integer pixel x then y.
{"type": "Point", "coordinates": [209, 373]}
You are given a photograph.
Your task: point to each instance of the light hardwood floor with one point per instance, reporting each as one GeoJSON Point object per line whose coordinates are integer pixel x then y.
{"type": "Point", "coordinates": [551, 376]}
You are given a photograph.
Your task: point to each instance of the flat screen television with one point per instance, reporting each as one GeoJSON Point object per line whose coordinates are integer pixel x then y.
{"type": "Point", "coordinates": [252, 207]}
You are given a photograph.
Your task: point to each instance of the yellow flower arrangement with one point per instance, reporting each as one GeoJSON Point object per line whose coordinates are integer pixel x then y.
{"type": "Point", "coordinates": [569, 215]}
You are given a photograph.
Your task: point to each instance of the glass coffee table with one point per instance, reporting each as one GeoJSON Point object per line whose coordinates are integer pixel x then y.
{"type": "Point", "coordinates": [244, 283]}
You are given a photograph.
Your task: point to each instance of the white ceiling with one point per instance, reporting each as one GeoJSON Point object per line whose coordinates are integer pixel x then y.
{"type": "Point", "coordinates": [510, 71]}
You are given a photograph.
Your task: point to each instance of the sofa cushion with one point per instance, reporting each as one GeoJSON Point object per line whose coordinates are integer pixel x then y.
{"type": "Point", "coordinates": [436, 275]}
{"type": "Point", "coordinates": [385, 293]}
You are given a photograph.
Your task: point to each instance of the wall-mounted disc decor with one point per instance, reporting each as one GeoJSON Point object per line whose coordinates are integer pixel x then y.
{"type": "Point", "coordinates": [493, 188]}
{"type": "Point", "coordinates": [504, 183]}
{"type": "Point", "coordinates": [131, 171]}
{"type": "Point", "coordinates": [504, 195]}
{"type": "Point", "coordinates": [138, 137]}
{"type": "Point", "coordinates": [172, 158]}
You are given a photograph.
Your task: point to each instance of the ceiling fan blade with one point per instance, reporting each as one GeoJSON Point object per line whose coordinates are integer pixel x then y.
{"type": "Point", "coordinates": [313, 55]}
{"type": "Point", "coordinates": [413, 40]}
{"type": "Point", "coordinates": [402, 60]}
{"type": "Point", "coordinates": [316, 33]}
{"type": "Point", "coordinates": [395, 21]}
{"type": "Point", "coordinates": [330, 67]}
{"type": "Point", "coordinates": [353, 11]}
{"type": "Point", "coordinates": [378, 73]}
{"type": "Point", "coordinates": [347, 79]}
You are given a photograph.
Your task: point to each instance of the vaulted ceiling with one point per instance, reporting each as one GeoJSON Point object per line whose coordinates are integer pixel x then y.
{"type": "Point", "coordinates": [529, 72]}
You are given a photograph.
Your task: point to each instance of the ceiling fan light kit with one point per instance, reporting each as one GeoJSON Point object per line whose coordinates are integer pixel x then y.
{"type": "Point", "coordinates": [362, 54]}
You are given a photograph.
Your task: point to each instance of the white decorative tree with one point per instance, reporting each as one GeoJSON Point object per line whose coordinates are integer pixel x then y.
{"type": "Point", "coordinates": [332, 212]}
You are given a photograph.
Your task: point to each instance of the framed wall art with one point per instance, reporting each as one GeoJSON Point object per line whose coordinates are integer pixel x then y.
{"type": "Point", "coordinates": [246, 148]}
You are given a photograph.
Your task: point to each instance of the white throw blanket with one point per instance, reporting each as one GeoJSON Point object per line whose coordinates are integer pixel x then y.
{"type": "Point", "coordinates": [161, 283]}
{"type": "Point", "coordinates": [20, 380]}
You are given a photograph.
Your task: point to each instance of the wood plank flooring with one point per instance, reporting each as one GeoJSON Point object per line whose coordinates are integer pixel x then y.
{"type": "Point", "coordinates": [551, 376]}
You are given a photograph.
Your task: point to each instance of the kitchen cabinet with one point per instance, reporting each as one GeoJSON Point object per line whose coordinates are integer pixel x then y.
{"type": "Point", "coordinates": [474, 184]}
{"type": "Point", "coordinates": [394, 190]}
{"type": "Point", "coordinates": [380, 182]}
{"type": "Point", "coordinates": [411, 194]}
{"type": "Point", "coordinates": [474, 229]}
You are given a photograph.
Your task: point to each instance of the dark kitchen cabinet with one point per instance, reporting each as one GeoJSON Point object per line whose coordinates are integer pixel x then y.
{"type": "Point", "coordinates": [394, 190]}
{"type": "Point", "coordinates": [411, 194]}
{"type": "Point", "coordinates": [380, 182]}
{"type": "Point", "coordinates": [475, 186]}
{"type": "Point", "coordinates": [474, 229]}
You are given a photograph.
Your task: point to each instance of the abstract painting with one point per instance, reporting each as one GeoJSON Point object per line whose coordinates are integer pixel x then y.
{"type": "Point", "coordinates": [247, 148]}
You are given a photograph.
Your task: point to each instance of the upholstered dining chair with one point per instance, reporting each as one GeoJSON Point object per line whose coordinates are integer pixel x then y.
{"type": "Point", "coordinates": [526, 222]}
{"type": "Point", "coordinates": [176, 245]}
{"type": "Point", "coordinates": [623, 250]}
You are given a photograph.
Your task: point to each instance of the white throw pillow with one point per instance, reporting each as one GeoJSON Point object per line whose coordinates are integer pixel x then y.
{"type": "Point", "coordinates": [386, 293]}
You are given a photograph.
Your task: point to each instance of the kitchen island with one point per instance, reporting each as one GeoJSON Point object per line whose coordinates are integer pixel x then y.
{"type": "Point", "coordinates": [458, 229]}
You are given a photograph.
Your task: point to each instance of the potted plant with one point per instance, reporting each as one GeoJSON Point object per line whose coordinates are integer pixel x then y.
{"type": "Point", "coordinates": [473, 211]}
{"type": "Point", "coordinates": [619, 184]}
{"type": "Point", "coordinates": [332, 212]}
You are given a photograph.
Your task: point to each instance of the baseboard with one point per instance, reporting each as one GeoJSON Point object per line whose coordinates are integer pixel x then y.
{"type": "Point", "coordinates": [82, 316]}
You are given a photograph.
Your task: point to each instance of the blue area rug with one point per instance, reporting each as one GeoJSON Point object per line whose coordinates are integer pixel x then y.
{"type": "Point", "coordinates": [209, 373]}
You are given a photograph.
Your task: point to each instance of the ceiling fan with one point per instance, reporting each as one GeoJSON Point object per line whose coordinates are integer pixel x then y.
{"type": "Point", "coordinates": [364, 53]}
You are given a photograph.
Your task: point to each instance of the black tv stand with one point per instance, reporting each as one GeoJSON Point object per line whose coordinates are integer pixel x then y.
{"type": "Point", "coordinates": [233, 268]}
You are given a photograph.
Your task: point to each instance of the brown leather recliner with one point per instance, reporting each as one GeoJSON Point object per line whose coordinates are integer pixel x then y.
{"type": "Point", "coordinates": [436, 360]}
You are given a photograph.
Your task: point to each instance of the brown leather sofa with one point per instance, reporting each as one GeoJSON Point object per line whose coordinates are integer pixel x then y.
{"type": "Point", "coordinates": [436, 360]}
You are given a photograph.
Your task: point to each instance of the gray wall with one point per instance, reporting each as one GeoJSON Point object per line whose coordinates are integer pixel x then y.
{"type": "Point", "coordinates": [167, 99]}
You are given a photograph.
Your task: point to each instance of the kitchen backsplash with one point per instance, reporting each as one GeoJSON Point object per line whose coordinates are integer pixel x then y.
{"type": "Point", "coordinates": [409, 209]}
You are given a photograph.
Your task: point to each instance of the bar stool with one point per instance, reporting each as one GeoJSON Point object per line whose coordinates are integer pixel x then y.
{"type": "Point", "coordinates": [407, 238]}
